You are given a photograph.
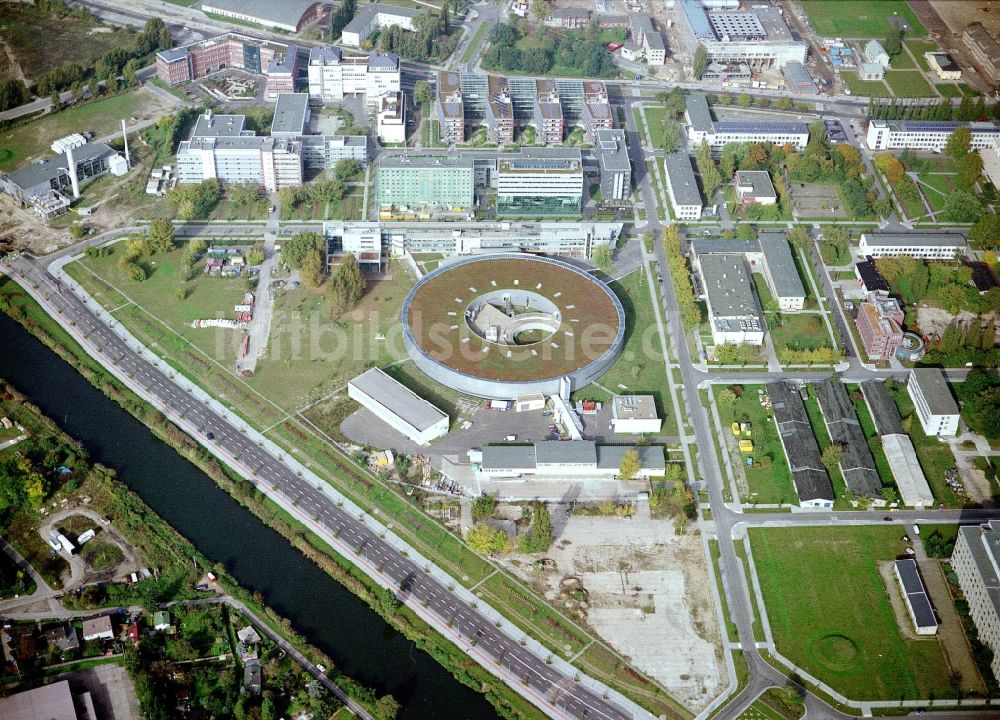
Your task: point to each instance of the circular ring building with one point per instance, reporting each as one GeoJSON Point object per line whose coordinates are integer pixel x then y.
{"type": "Point", "coordinates": [499, 326]}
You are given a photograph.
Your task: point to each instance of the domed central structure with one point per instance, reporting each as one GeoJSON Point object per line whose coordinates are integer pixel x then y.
{"type": "Point", "coordinates": [498, 326]}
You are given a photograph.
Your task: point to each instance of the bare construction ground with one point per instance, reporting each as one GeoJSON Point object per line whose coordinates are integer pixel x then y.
{"type": "Point", "coordinates": [647, 594]}
{"type": "Point", "coordinates": [959, 15]}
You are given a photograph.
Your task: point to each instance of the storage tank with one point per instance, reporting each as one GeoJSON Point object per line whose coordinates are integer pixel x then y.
{"type": "Point", "coordinates": [721, 4]}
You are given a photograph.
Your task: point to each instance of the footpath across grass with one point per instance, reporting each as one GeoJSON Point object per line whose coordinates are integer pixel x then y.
{"type": "Point", "coordinates": [830, 613]}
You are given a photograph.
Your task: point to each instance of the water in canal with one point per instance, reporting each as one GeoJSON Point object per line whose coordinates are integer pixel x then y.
{"type": "Point", "coordinates": [358, 640]}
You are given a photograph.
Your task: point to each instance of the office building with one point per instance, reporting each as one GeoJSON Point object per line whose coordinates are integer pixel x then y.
{"type": "Point", "coordinates": [47, 186]}
{"type": "Point", "coordinates": [918, 604]}
{"type": "Point", "coordinates": [758, 37]}
{"type": "Point", "coordinates": [976, 562]}
{"type": "Point", "coordinates": [568, 239]}
{"type": "Point", "coordinates": [879, 323]}
{"type": "Point", "coordinates": [648, 38]}
{"type": "Point", "coordinates": [985, 51]}
{"type": "Point", "coordinates": [504, 104]}
{"type": "Point", "coordinates": [923, 245]}
{"type": "Point", "coordinates": [229, 50]}
{"type": "Point", "coordinates": [929, 135]}
{"type": "Point", "coordinates": [335, 74]}
{"type": "Point", "coordinates": [754, 187]}
{"type": "Point", "coordinates": [391, 118]}
{"type": "Point", "coordinates": [376, 16]}
{"type": "Point", "coordinates": [933, 401]}
{"type": "Point", "coordinates": [426, 182]}
{"type": "Point", "coordinates": [702, 128]}
{"type": "Point", "coordinates": [616, 170]}
{"type": "Point", "coordinates": [771, 256]}
{"type": "Point", "coordinates": [727, 289]}
{"type": "Point", "coordinates": [288, 15]}
{"type": "Point", "coordinates": [397, 406]}
{"type": "Point", "coordinates": [635, 414]}
{"type": "Point", "coordinates": [540, 181]}
{"type": "Point", "coordinates": [682, 187]}
{"type": "Point", "coordinates": [291, 115]}
{"type": "Point", "coordinates": [361, 239]}
{"type": "Point", "coordinates": [553, 460]}
{"type": "Point", "coordinates": [282, 72]}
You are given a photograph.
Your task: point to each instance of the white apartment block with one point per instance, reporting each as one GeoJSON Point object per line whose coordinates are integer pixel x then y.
{"type": "Point", "coordinates": [929, 135]}
{"type": "Point", "coordinates": [935, 406]}
{"type": "Point", "coordinates": [398, 406]}
{"type": "Point", "coordinates": [976, 562]}
{"type": "Point", "coordinates": [333, 75]}
{"type": "Point", "coordinates": [923, 245]}
{"type": "Point", "coordinates": [682, 187]}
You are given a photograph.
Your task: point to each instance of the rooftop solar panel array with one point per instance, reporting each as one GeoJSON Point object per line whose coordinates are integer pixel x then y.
{"type": "Point", "coordinates": [751, 127]}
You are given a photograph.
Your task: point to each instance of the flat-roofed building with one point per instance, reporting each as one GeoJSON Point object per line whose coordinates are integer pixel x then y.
{"type": "Point", "coordinates": [944, 65]}
{"type": "Point", "coordinates": [173, 66]}
{"type": "Point", "coordinates": [758, 36]}
{"type": "Point", "coordinates": [572, 460]}
{"type": "Point", "coordinates": [568, 239]}
{"type": "Point", "coordinates": [391, 118]}
{"type": "Point", "coordinates": [548, 112]}
{"type": "Point", "coordinates": [335, 74]}
{"type": "Point", "coordinates": [929, 135]}
{"type": "Point", "coordinates": [923, 245]}
{"type": "Point", "coordinates": [282, 72]}
{"type": "Point", "coordinates": [616, 169]}
{"type": "Point", "coordinates": [291, 115]}
{"type": "Point", "coordinates": [450, 107]}
{"type": "Point", "coordinates": [288, 15]}
{"type": "Point", "coordinates": [727, 288]}
{"type": "Point", "coordinates": [361, 239]}
{"type": "Point", "coordinates": [439, 181]}
{"type": "Point", "coordinates": [798, 79]}
{"type": "Point", "coordinates": [541, 181]}
{"type": "Point", "coordinates": [635, 414]}
{"type": "Point", "coordinates": [976, 562]}
{"type": "Point", "coordinates": [754, 187]}
{"type": "Point", "coordinates": [596, 109]}
{"type": "Point", "coordinates": [702, 128]}
{"type": "Point", "coordinates": [918, 604]}
{"type": "Point", "coordinates": [682, 187]}
{"type": "Point", "coordinates": [55, 701]}
{"type": "Point", "coordinates": [932, 398]}
{"type": "Point", "coordinates": [985, 50]}
{"type": "Point", "coordinates": [51, 175]}
{"type": "Point", "coordinates": [879, 324]}
{"type": "Point", "coordinates": [399, 407]}
{"type": "Point", "coordinates": [499, 111]}
{"type": "Point", "coordinates": [376, 16]}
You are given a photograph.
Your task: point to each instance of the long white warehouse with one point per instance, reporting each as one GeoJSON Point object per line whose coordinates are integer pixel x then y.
{"type": "Point", "coordinates": [398, 406]}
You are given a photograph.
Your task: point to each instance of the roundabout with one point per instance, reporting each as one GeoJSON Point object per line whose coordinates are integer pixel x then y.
{"type": "Point", "coordinates": [498, 326]}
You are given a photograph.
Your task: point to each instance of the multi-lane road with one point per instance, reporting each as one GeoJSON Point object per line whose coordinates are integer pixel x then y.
{"type": "Point", "coordinates": [499, 649]}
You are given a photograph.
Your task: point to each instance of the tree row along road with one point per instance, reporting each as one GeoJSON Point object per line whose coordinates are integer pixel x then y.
{"type": "Point", "coordinates": [545, 685]}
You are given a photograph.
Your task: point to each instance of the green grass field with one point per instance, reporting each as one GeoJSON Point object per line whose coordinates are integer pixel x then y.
{"type": "Point", "coordinates": [868, 88]}
{"type": "Point", "coordinates": [903, 61]}
{"type": "Point", "coordinates": [908, 83]}
{"type": "Point", "coordinates": [474, 43]}
{"type": "Point", "coordinates": [767, 485]}
{"type": "Point", "coordinates": [948, 90]}
{"type": "Point", "coordinates": [798, 332]}
{"type": "Point", "coordinates": [858, 18]}
{"type": "Point", "coordinates": [918, 48]}
{"type": "Point", "coordinates": [940, 187]}
{"type": "Point", "coordinates": [640, 367]}
{"type": "Point", "coordinates": [654, 118]}
{"type": "Point", "coordinates": [830, 613]}
{"type": "Point", "coordinates": [102, 117]}
{"type": "Point", "coordinates": [37, 37]}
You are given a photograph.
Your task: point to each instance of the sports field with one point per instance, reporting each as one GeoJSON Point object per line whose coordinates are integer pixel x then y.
{"type": "Point", "coordinates": [859, 18]}
{"type": "Point", "coordinates": [830, 613]}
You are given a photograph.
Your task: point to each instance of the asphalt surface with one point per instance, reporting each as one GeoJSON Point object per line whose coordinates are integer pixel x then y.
{"type": "Point", "coordinates": [556, 693]}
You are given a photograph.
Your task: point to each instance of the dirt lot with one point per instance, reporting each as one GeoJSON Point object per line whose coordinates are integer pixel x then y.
{"type": "Point", "coordinates": [648, 596]}
{"type": "Point", "coordinates": [958, 15]}
{"type": "Point", "coordinates": [936, 320]}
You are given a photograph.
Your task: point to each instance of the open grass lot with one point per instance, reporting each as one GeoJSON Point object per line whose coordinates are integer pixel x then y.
{"type": "Point", "coordinates": [474, 43]}
{"type": "Point", "coordinates": [935, 457]}
{"type": "Point", "coordinates": [868, 88]}
{"type": "Point", "coordinates": [948, 90]}
{"type": "Point", "coordinates": [940, 187]}
{"type": "Point", "coordinates": [759, 710]}
{"type": "Point", "coordinates": [654, 118]}
{"type": "Point", "coordinates": [908, 83]}
{"type": "Point", "coordinates": [804, 331]}
{"type": "Point", "coordinates": [227, 211]}
{"type": "Point", "coordinates": [917, 48]}
{"type": "Point", "coordinates": [903, 61]}
{"type": "Point", "coordinates": [101, 117]}
{"type": "Point", "coordinates": [858, 18]}
{"type": "Point", "coordinates": [830, 613]}
{"type": "Point", "coordinates": [767, 485]}
{"type": "Point", "coordinates": [37, 37]}
{"type": "Point", "coordinates": [640, 367]}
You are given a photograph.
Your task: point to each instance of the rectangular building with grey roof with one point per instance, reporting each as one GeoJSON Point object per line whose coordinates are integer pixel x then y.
{"type": "Point", "coordinates": [976, 562]}
{"type": "Point", "coordinates": [727, 288]}
{"type": "Point", "coordinates": [564, 460]}
{"type": "Point", "coordinates": [291, 115]}
{"type": "Point", "coordinates": [932, 398]}
{"type": "Point", "coordinates": [923, 245]}
{"type": "Point", "coordinates": [682, 187]}
{"type": "Point", "coordinates": [701, 128]}
{"type": "Point", "coordinates": [812, 484]}
{"type": "Point", "coordinates": [288, 15]}
{"type": "Point", "coordinates": [856, 462]}
{"type": "Point", "coordinates": [397, 406]}
{"type": "Point", "coordinates": [616, 170]}
{"type": "Point", "coordinates": [918, 604]}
